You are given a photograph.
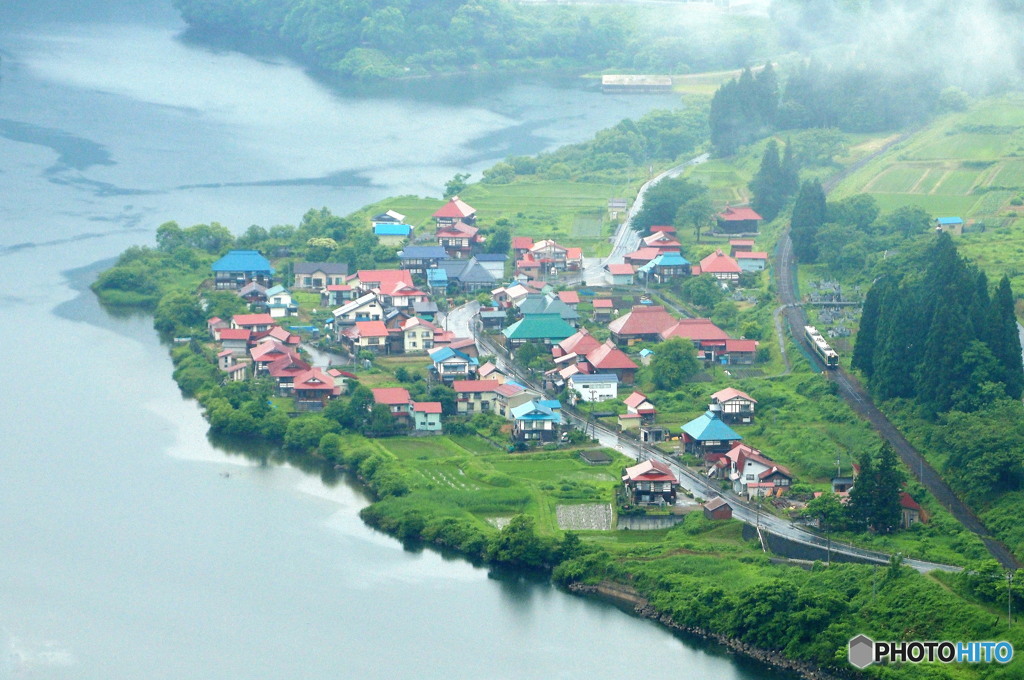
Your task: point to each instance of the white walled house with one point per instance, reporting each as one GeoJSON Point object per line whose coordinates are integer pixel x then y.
{"type": "Point", "coordinates": [595, 386]}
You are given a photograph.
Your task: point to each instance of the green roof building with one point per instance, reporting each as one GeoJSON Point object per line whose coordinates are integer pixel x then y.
{"type": "Point", "coordinates": [547, 329]}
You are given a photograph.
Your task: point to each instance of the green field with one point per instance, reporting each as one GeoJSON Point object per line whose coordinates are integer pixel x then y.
{"type": "Point", "coordinates": [967, 165]}
{"type": "Point", "coordinates": [572, 213]}
{"type": "Point", "coordinates": [469, 475]}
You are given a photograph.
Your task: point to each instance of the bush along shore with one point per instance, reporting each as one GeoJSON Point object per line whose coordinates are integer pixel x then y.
{"type": "Point", "coordinates": [627, 596]}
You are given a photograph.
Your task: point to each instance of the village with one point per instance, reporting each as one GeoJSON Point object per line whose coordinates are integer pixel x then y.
{"type": "Point", "coordinates": [582, 346]}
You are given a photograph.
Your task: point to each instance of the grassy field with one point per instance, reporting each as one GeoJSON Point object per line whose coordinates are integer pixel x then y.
{"type": "Point", "coordinates": [967, 165]}
{"type": "Point", "coordinates": [572, 213]}
{"type": "Point", "coordinates": [468, 474]}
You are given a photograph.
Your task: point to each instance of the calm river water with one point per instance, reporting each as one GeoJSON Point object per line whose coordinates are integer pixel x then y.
{"type": "Point", "coordinates": [130, 546]}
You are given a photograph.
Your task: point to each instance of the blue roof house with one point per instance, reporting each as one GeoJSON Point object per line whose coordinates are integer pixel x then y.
{"type": "Point", "coordinates": [392, 234]}
{"type": "Point", "coordinates": [708, 435]}
{"type": "Point", "coordinates": [537, 421]}
{"type": "Point", "coordinates": [665, 267]}
{"type": "Point", "coordinates": [418, 259]}
{"type": "Point", "coordinates": [451, 364]}
{"type": "Point", "coordinates": [239, 267]}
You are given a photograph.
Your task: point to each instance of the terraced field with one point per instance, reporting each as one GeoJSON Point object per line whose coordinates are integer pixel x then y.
{"type": "Point", "coordinates": [969, 165]}
{"type": "Point", "coordinates": [966, 164]}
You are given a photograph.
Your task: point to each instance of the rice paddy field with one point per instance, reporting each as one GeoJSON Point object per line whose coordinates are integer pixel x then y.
{"type": "Point", "coordinates": [968, 165]}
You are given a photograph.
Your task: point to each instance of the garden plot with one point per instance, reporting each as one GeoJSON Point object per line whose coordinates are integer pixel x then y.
{"type": "Point", "coordinates": [588, 516]}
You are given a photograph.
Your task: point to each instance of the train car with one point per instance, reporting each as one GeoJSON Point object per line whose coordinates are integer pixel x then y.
{"type": "Point", "coordinates": [827, 355]}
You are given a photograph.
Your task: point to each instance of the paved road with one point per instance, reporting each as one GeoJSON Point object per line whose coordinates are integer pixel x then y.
{"type": "Point", "coordinates": [626, 239]}
{"type": "Point", "coordinates": [700, 486]}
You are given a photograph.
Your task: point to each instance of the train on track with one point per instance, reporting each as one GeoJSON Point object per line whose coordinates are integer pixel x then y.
{"type": "Point", "coordinates": [825, 352]}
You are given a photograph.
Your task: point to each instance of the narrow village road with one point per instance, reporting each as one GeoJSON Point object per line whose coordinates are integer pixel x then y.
{"type": "Point", "coordinates": [626, 239]}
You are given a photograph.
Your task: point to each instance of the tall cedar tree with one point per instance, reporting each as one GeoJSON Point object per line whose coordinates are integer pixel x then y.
{"type": "Point", "coordinates": [896, 346]}
{"type": "Point", "coordinates": [936, 377]}
{"type": "Point", "coordinates": [809, 213]}
{"type": "Point", "coordinates": [768, 185]}
{"type": "Point", "coordinates": [875, 497]}
{"type": "Point", "coordinates": [1004, 340]}
{"type": "Point", "coordinates": [885, 506]}
{"type": "Point", "coordinates": [863, 493]}
{"type": "Point", "coordinates": [925, 342]}
{"type": "Point", "coordinates": [981, 306]}
{"type": "Point", "coordinates": [867, 335]}
{"type": "Point", "coordinates": [790, 171]}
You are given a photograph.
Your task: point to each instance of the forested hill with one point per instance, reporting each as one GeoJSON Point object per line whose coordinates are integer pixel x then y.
{"type": "Point", "coordinates": [398, 38]}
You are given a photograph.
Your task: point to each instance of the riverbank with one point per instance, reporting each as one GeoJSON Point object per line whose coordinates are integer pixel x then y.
{"type": "Point", "coordinates": [626, 597]}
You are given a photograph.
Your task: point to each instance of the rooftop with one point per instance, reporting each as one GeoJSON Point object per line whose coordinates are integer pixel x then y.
{"type": "Point", "coordinates": [738, 214]}
{"type": "Point", "coordinates": [243, 261]}
{"type": "Point", "coordinates": [391, 395]}
{"type": "Point", "coordinates": [710, 427]}
{"type": "Point", "coordinates": [455, 207]}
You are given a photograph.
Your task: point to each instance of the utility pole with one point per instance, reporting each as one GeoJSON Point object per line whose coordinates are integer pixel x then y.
{"type": "Point", "coordinates": [1009, 598]}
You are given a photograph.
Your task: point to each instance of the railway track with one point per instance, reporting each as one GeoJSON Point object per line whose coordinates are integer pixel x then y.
{"type": "Point", "coordinates": [858, 399]}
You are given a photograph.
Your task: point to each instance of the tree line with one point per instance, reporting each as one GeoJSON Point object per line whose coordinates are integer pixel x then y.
{"type": "Point", "coordinates": [401, 38]}
{"type": "Point", "coordinates": [849, 98]}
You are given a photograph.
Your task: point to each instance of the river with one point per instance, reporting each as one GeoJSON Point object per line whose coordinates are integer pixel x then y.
{"type": "Point", "coordinates": [133, 547]}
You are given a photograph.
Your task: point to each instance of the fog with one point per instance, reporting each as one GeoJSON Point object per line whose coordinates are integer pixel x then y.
{"type": "Point", "coordinates": [973, 45]}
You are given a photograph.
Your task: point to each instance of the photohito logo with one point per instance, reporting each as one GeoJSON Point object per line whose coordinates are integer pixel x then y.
{"type": "Point", "coordinates": [863, 651]}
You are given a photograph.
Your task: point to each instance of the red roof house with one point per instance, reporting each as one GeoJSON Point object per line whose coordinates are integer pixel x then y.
{"type": "Point", "coordinates": [581, 342]}
{"type": "Point", "coordinates": [397, 400]}
{"type": "Point", "coordinates": [254, 322]}
{"type": "Point", "coordinates": [642, 256]}
{"type": "Point", "coordinates": [610, 359]}
{"type": "Point", "coordinates": [697, 330]}
{"type": "Point", "coordinates": [721, 266]}
{"type": "Point", "coordinates": [738, 221]}
{"type": "Point", "coordinates": [643, 323]}
{"type": "Point", "coordinates": [650, 482]}
{"type": "Point", "coordinates": [455, 210]}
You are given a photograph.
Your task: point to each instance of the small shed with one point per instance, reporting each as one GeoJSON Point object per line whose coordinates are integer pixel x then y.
{"type": "Point", "coordinates": [717, 508]}
{"type": "Point", "coordinates": [595, 458]}
{"type": "Point", "coordinates": [950, 225]}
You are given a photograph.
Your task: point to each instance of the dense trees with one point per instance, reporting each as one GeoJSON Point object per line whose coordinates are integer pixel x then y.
{"type": "Point", "coordinates": [744, 109]}
{"type": "Point", "coordinates": [939, 337]}
{"type": "Point", "coordinates": [399, 38]}
{"type": "Point", "coordinates": [661, 135]}
{"type": "Point", "coordinates": [673, 364]}
{"type": "Point", "coordinates": [669, 199]}
{"type": "Point", "coordinates": [774, 182]}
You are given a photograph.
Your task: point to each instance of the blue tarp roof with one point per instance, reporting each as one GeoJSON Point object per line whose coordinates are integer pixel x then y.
{"type": "Point", "coordinates": [437, 276]}
{"type": "Point", "coordinates": [243, 261]}
{"type": "Point", "coordinates": [422, 252]}
{"type": "Point", "coordinates": [709, 427]}
{"type": "Point", "coordinates": [392, 229]}
{"type": "Point", "coordinates": [672, 259]}
{"type": "Point", "coordinates": [949, 220]}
